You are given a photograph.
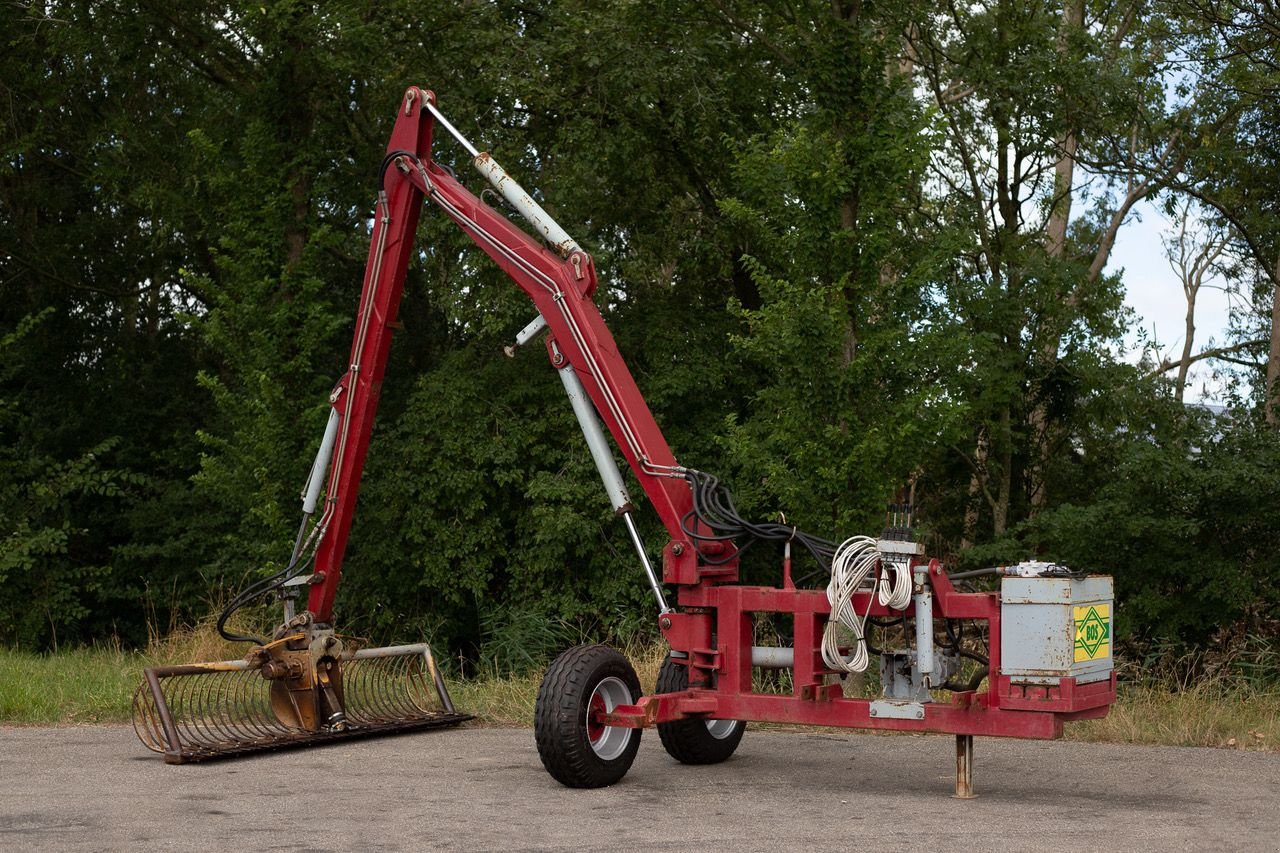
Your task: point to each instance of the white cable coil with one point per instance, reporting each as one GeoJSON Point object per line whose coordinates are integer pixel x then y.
{"type": "Point", "coordinates": [896, 593]}
{"type": "Point", "coordinates": [853, 563]}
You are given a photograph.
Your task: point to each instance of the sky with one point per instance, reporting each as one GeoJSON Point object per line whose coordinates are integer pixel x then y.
{"type": "Point", "coordinates": [1154, 292]}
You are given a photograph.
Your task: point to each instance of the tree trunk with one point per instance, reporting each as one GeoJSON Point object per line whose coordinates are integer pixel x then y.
{"type": "Point", "coordinates": [1068, 143]}
{"type": "Point", "coordinates": [1188, 341]}
{"type": "Point", "coordinates": [972, 509]}
{"type": "Point", "coordinates": [1272, 407]}
{"type": "Point", "coordinates": [1000, 515]}
{"type": "Point", "coordinates": [1055, 244]}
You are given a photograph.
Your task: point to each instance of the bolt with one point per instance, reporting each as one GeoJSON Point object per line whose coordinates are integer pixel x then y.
{"type": "Point", "coordinates": [557, 359]}
{"type": "Point", "coordinates": [665, 622]}
{"type": "Point", "coordinates": [677, 549]}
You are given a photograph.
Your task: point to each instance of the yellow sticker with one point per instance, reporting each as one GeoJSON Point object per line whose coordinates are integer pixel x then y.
{"type": "Point", "coordinates": [1093, 632]}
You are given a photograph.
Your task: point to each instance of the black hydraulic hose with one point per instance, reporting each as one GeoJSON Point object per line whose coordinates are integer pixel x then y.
{"type": "Point", "coordinates": [993, 570]}
{"type": "Point", "coordinates": [388, 160]}
{"type": "Point", "coordinates": [967, 687]}
{"type": "Point", "coordinates": [256, 590]}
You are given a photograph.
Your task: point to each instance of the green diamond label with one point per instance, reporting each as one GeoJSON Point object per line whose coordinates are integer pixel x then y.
{"type": "Point", "coordinates": [1093, 632]}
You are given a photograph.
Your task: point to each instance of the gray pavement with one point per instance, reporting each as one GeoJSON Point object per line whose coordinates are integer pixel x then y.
{"type": "Point", "coordinates": [96, 788]}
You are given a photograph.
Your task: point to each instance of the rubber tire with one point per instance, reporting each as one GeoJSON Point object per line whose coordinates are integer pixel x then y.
{"type": "Point", "coordinates": [689, 741]}
{"type": "Point", "coordinates": [560, 717]}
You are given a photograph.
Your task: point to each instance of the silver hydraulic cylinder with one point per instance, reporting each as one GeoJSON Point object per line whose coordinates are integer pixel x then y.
{"type": "Point", "coordinates": [525, 335]}
{"type": "Point", "coordinates": [923, 599]}
{"type": "Point", "coordinates": [596, 442]}
{"type": "Point", "coordinates": [585, 412]}
{"type": "Point", "coordinates": [533, 213]}
{"type": "Point", "coordinates": [311, 498]}
{"type": "Point", "coordinates": [511, 191]}
{"type": "Point", "coordinates": [311, 494]}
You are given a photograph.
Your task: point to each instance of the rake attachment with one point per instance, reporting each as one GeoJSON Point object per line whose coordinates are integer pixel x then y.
{"type": "Point", "coordinates": [297, 691]}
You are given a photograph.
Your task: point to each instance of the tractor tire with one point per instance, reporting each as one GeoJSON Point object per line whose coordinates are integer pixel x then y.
{"type": "Point", "coordinates": [695, 741]}
{"type": "Point", "coordinates": [576, 751]}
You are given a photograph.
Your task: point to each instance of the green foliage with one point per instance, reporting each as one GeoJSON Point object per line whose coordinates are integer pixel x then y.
{"type": "Point", "coordinates": [822, 231]}
{"type": "Point", "coordinates": [1186, 526]}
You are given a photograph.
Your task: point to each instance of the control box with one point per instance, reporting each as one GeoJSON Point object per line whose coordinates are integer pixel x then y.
{"type": "Point", "coordinates": [1056, 627]}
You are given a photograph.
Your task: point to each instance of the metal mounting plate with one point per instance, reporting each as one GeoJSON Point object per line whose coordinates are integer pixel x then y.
{"type": "Point", "coordinates": [897, 710]}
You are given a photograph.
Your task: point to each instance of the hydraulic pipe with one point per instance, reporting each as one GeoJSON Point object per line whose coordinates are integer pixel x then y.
{"type": "Point", "coordinates": [596, 442]}
{"type": "Point", "coordinates": [923, 599]}
{"type": "Point", "coordinates": [533, 213]}
{"type": "Point", "coordinates": [609, 473]}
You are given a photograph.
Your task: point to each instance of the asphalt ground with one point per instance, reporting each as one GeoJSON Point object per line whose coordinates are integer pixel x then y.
{"type": "Point", "coordinates": [96, 788]}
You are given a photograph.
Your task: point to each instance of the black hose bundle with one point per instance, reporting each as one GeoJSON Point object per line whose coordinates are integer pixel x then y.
{"type": "Point", "coordinates": [714, 511]}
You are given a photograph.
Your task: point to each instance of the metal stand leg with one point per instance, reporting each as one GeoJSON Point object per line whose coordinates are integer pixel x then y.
{"type": "Point", "coordinates": [964, 768]}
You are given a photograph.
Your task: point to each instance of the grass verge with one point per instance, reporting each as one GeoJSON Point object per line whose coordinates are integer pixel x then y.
{"type": "Point", "coordinates": [95, 685]}
{"type": "Point", "coordinates": [1205, 714]}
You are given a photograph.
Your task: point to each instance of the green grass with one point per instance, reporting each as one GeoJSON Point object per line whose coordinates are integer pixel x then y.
{"type": "Point", "coordinates": [1210, 713]}
{"type": "Point", "coordinates": [81, 686]}
{"type": "Point", "coordinates": [96, 685]}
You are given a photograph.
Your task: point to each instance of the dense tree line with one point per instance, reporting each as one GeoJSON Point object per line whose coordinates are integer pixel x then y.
{"type": "Point", "coordinates": [844, 246]}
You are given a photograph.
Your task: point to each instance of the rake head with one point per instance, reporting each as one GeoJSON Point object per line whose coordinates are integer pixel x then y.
{"type": "Point", "coordinates": [300, 690]}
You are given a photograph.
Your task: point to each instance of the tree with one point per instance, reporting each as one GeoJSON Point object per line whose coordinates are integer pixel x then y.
{"type": "Point", "coordinates": [1023, 95]}
{"type": "Point", "coordinates": [1233, 44]}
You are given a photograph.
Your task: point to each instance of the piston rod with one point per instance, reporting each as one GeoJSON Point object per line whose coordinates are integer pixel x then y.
{"type": "Point", "coordinates": [602, 455]}
{"type": "Point", "coordinates": [514, 194]}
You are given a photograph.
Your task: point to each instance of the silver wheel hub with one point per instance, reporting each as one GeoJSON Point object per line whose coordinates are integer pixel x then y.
{"type": "Point", "coordinates": [607, 742]}
{"type": "Point", "coordinates": [721, 729]}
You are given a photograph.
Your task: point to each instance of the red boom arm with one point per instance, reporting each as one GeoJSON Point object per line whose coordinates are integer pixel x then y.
{"type": "Point", "coordinates": [561, 289]}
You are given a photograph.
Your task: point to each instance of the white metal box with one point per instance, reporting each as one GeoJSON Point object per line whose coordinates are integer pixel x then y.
{"type": "Point", "coordinates": [1055, 628]}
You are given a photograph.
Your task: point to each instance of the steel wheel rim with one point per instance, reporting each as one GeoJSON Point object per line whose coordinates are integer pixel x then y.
{"type": "Point", "coordinates": [607, 742]}
{"type": "Point", "coordinates": [721, 729]}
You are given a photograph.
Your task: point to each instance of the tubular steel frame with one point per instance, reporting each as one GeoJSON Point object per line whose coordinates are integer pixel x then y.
{"type": "Point", "coordinates": [710, 631]}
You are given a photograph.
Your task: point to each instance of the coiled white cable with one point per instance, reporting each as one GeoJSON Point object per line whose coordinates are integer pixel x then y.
{"type": "Point", "coordinates": [896, 593]}
{"type": "Point", "coordinates": [852, 564]}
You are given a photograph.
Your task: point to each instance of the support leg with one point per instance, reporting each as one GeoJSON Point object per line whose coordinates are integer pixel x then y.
{"type": "Point", "coordinates": [964, 768]}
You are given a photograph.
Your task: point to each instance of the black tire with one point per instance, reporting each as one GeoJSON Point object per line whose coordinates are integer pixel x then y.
{"type": "Point", "coordinates": [695, 741]}
{"type": "Point", "coordinates": [576, 752]}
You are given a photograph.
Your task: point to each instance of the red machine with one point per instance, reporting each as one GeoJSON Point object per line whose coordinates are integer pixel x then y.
{"type": "Point", "coordinates": [1054, 626]}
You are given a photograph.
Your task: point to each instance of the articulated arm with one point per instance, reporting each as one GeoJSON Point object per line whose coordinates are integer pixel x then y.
{"type": "Point", "coordinates": [559, 283]}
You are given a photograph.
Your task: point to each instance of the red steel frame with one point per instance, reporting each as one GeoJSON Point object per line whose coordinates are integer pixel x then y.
{"type": "Point", "coordinates": [712, 626]}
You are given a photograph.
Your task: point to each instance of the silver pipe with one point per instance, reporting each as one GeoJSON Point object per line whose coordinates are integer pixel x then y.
{"type": "Point", "coordinates": [523, 202]}
{"type": "Point", "coordinates": [924, 622]}
{"type": "Point", "coordinates": [663, 607]}
{"type": "Point", "coordinates": [453, 131]}
{"type": "Point", "coordinates": [596, 442]}
{"type": "Point", "coordinates": [773, 657]}
{"type": "Point", "coordinates": [315, 482]}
